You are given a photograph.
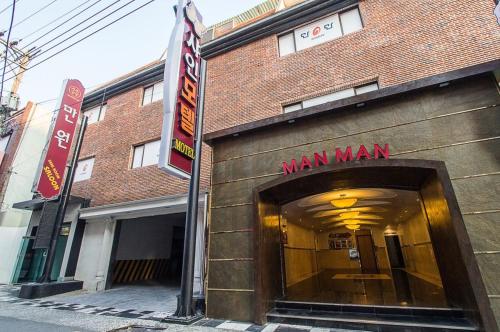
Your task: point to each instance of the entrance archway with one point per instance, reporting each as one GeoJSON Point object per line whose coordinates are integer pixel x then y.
{"type": "Point", "coordinates": [462, 285]}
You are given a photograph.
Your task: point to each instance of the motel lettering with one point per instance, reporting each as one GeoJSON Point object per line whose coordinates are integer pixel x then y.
{"type": "Point", "coordinates": [341, 155]}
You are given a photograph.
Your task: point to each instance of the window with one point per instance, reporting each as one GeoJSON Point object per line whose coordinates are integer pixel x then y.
{"type": "Point", "coordinates": [366, 88]}
{"type": "Point", "coordinates": [337, 95]}
{"type": "Point", "coordinates": [351, 21]}
{"type": "Point", "coordinates": [146, 154]}
{"type": "Point", "coordinates": [84, 169]}
{"type": "Point", "coordinates": [152, 93]}
{"type": "Point", "coordinates": [96, 113]}
{"type": "Point", "coordinates": [292, 107]}
{"type": "Point", "coordinates": [286, 44]}
{"type": "Point", "coordinates": [320, 31]}
{"type": "Point", "coordinates": [4, 141]}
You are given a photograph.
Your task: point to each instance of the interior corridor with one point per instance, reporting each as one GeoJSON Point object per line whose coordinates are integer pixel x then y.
{"type": "Point", "coordinates": [360, 246]}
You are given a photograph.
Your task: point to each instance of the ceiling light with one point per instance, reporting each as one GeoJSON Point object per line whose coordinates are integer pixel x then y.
{"type": "Point", "coordinates": [360, 216]}
{"type": "Point", "coordinates": [334, 212]}
{"type": "Point", "coordinates": [351, 222]}
{"type": "Point", "coordinates": [352, 227]}
{"type": "Point", "coordinates": [344, 202]}
{"type": "Point", "coordinates": [349, 215]}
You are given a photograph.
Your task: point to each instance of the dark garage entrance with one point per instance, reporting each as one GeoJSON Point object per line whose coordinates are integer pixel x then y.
{"type": "Point", "coordinates": [148, 251]}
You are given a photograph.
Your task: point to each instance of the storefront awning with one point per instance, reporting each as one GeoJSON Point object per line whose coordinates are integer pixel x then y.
{"type": "Point", "coordinates": [37, 203]}
{"type": "Point", "coordinates": [140, 208]}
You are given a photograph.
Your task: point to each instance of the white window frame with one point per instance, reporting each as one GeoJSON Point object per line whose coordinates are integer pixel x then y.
{"type": "Point", "coordinates": [82, 176]}
{"type": "Point", "coordinates": [365, 88]}
{"type": "Point", "coordinates": [138, 154]}
{"type": "Point", "coordinates": [155, 95]}
{"type": "Point", "coordinates": [292, 107]}
{"type": "Point", "coordinates": [330, 97]}
{"type": "Point", "coordinates": [339, 18]}
{"type": "Point", "coordinates": [100, 110]}
{"type": "Point", "coordinates": [284, 37]}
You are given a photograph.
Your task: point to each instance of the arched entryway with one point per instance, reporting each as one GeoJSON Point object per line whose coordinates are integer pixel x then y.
{"type": "Point", "coordinates": [427, 182]}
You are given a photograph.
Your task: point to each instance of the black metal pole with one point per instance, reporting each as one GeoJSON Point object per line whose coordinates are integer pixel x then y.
{"type": "Point", "coordinates": [184, 305]}
{"type": "Point", "coordinates": [63, 202]}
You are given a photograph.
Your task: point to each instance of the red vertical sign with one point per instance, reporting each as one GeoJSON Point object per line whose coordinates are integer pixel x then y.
{"type": "Point", "coordinates": [187, 98]}
{"type": "Point", "coordinates": [182, 74]}
{"type": "Point", "coordinates": [60, 140]}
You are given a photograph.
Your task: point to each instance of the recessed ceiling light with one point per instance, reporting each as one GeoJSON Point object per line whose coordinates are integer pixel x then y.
{"type": "Point", "coordinates": [344, 202]}
{"type": "Point", "coordinates": [353, 227]}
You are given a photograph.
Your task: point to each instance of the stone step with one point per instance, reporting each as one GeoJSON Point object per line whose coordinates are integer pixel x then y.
{"type": "Point", "coordinates": [370, 318]}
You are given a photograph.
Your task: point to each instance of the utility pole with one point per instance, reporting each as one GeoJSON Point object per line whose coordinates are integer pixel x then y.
{"type": "Point", "coordinates": [17, 61]}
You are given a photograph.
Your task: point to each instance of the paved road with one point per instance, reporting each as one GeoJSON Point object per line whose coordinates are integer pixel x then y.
{"type": "Point", "coordinates": [10, 324]}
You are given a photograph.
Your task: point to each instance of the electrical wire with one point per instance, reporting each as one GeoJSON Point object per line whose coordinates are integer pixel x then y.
{"type": "Point", "coordinates": [88, 18]}
{"type": "Point", "coordinates": [77, 25]}
{"type": "Point", "coordinates": [81, 30]}
{"type": "Point", "coordinates": [1, 11]}
{"type": "Point", "coordinates": [7, 46]}
{"type": "Point", "coordinates": [54, 20]}
{"type": "Point", "coordinates": [61, 24]}
{"type": "Point", "coordinates": [36, 12]}
{"type": "Point", "coordinates": [84, 38]}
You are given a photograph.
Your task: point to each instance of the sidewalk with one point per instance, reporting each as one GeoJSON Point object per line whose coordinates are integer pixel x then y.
{"type": "Point", "coordinates": [46, 314]}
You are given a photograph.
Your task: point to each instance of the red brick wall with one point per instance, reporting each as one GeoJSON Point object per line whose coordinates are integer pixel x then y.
{"type": "Point", "coordinates": [17, 124]}
{"type": "Point", "coordinates": [110, 141]}
{"type": "Point", "coordinates": [401, 41]}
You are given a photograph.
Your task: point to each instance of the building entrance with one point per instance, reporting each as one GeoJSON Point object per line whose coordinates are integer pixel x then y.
{"type": "Point", "coordinates": [360, 246]}
{"type": "Point", "coordinates": [376, 236]}
{"type": "Point", "coordinates": [148, 251]}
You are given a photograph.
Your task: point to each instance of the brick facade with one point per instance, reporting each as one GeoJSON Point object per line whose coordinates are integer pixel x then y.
{"type": "Point", "coordinates": [16, 126]}
{"type": "Point", "coordinates": [401, 41]}
{"type": "Point", "coordinates": [111, 140]}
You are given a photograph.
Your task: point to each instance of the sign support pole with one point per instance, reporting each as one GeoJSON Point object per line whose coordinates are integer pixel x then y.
{"type": "Point", "coordinates": [63, 202]}
{"type": "Point", "coordinates": [184, 303]}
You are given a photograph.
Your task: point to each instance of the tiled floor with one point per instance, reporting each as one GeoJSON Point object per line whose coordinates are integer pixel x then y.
{"type": "Point", "coordinates": [134, 302]}
{"type": "Point", "coordinates": [400, 289]}
{"type": "Point", "coordinates": [154, 302]}
{"type": "Point", "coordinates": [142, 297]}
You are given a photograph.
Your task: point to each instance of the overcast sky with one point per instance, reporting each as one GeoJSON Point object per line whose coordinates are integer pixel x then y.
{"type": "Point", "coordinates": [124, 46]}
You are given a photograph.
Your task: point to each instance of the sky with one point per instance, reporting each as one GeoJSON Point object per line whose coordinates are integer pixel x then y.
{"type": "Point", "coordinates": [138, 39]}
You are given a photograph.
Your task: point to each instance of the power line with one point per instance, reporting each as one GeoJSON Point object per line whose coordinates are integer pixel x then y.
{"type": "Point", "coordinates": [87, 36]}
{"type": "Point", "coordinates": [84, 38]}
{"type": "Point", "coordinates": [1, 11]}
{"type": "Point", "coordinates": [81, 30]}
{"type": "Point", "coordinates": [80, 23]}
{"type": "Point", "coordinates": [34, 50]}
{"type": "Point", "coordinates": [36, 12]}
{"type": "Point", "coordinates": [56, 19]}
{"type": "Point", "coordinates": [7, 48]}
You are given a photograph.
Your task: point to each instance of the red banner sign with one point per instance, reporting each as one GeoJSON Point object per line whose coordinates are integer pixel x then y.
{"type": "Point", "coordinates": [182, 74]}
{"type": "Point", "coordinates": [60, 140]}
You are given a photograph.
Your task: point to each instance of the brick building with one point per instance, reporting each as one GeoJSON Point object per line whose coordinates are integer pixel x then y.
{"type": "Point", "coordinates": [301, 87]}
{"type": "Point", "coordinates": [22, 143]}
{"type": "Point", "coordinates": [277, 76]}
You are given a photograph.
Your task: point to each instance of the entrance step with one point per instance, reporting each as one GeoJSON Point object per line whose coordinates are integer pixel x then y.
{"type": "Point", "coordinates": [370, 318]}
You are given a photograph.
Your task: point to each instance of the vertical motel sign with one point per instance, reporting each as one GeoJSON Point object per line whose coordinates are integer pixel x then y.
{"type": "Point", "coordinates": [180, 94]}
{"type": "Point", "coordinates": [53, 167]}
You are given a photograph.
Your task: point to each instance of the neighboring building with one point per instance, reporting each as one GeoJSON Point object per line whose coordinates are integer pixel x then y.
{"type": "Point", "coordinates": [293, 90]}
{"type": "Point", "coordinates": [21, 146]}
